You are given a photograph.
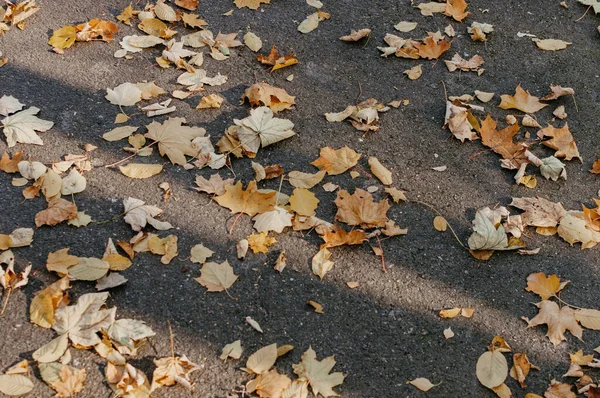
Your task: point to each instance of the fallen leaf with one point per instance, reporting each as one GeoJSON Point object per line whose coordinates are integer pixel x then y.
{"type": "Point", "coordinates": [491, 369]}
{"type": "Point", "coordinates": [232, 350]}
{"type": "Point", "coordinates": [22, 127]}
{"type": "Point", "coordinates": [253, 324]}
{"type": "Point", "coordinates": [127, 380]}
{"type": "Point", "coordinates": [448, 333]}
{"type": "Point", "coordinates": [9, 165]}
{"type": "Point", "coordinates": [275, 220]}
{"type": "Point", "coordinates": [140, 170]}
{"type": "Point", "coordinates": [431, 49]}
{"type": "Point", "coordinates": [539, 212]}
{"type": "Point", "coordinates": [473, 64]}
{"type": "Point", "coordinates": [559, 390]}
{"type": "Point", "coordinates": [309, 24]}
{"type": "Point", "coordinates": [306, 180]}
{"type": "Point", "coordinates": [303, 202]}
{"type": "Point", "coordinates": [262, 360]}
{"type": "Point", "coordinates": [588, 318]}
{"type": "Point", "coordinates": [356, 35]}
{"type": "Point", "coordinates": [360, 209]}
{"type": "Point", "coordinates": [551, 44]}
{"type": "Point", "coordinates": [558, 321]}
{"type": "Point", "coordinates": [111, 280]}
{"type": "Point", "coordinates": [242, 248]}
{"type": "Point", "coordinates": [64, 379]}
{"type": "Point", "coordinates": [210, 101]}
{"type": "Point", "coordinates": [557, 91]}
{"type": "Point", "coordinates": [405, 26]}
{"type": "Point", "coordinates": [486, 236]}
{"type": "Point", "coordinates": [544, 286]}
{"type": "Point", "coordinates": [277, 99]}
{"type": "Point", "coordinates": [63, 38]}
{"type": "Point", "coordinates": [252, 41]}
{"type": "Point", "coordinates": [338, 237]}
{"type": "Point", "coordinates": [270, 384]}
{"type": "Point", "coordinates": [126, 94]}
{"type": "Point", "coordinates": [252, 4]}
{"type": "Point", "coordinates": [396, 194]}
{"type": "Point", "coordinates": [260, 243]}
{"type": "Point", "coordinates": [561, 140]}
{"type": "Point", "coordinates": [456, 9]}
{"type": "Point", "coordinates": [174, 139]}
{"type": "Point", "coordinates": [414, 73]}
{"type": "Point", "coordinates": [422, 384]}
{"type": "Point", "coordinates": [88, 269]}
{"type": "Point", "coordinates": [321, 264]}
{"type": "Point", "coordinates": [261, 129]}
{"type": "Point", "coordinates": [250, 201]}
{"type": "Point", "coordinates": [440, 223]}
{"type": "Point", "coordinates": [522, 101]}
{"type": "Point", "coordinates": [276, 60]}
{"type": "Point", "coordinates": [199, 254]}
{"type": "Point", "coordinates": [138, 214]}
{"type": "Point", "coordinates": [338, 161]}
{"type": "Point", "coordinates": [46, 301]}
{"type": "Point", "coordinates": [281, 262]}
{"type": "Point", "coordinates": [317, 373]}
{"type": "Point", "coordinates": [428, 9]}
{"type": "Point", "coordinates": [460, 121]}
{"type": "Point", "coordinates": [521, 367]}
{"type": "Point", "coordinates": [216, 277]}
{"type": "Point", "coordinates": [172, 370]}
{"type": "Point", "coordinates": [58, 210]}
{"type": "Point", "coordinates": [215, 185]}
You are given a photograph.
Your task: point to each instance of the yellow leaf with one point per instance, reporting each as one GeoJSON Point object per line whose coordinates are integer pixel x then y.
{"type": "Point", "coordinates": [522, 101]}
{"type": "Point", "coordinates": [336, 162]}
{"type": "Point", "coordinates": [260, 243]}
{"type": "Point", "coordinates": [140, 170]}
{"type": "Point", "coordinates": [440, 223]}
{"type": "Point", "coordinates": [383, 174]}
{"type": "Point", "coordinates": [321, 263]}
{"type": "Point", "coordinates": [64, 37]}
{"type": "Point", "coordinates": [216, 277]}
{"type": "Point", "coordinates": [317, 307]}
{"type": "Point", "coordinates": [303, 202]}
{"type": "Point", "coordinates": [558, 320]}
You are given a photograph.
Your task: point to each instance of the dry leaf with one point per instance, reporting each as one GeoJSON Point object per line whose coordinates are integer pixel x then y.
{"type": "Point", "coordinates": [305, 180]}
{"type": "Point", "coordinates": [562, 140]}
{"type": "Point", "coordinates": [260, 243]}
{"type": "Point", "coordinates": [252, 41]}
{"type": "Point", "coordinates": [172, 370]}
{"type": "Point", "coordinates": [415, 72]}
{"type": "Point", "coordinates": [558, 320]}
{"type": "Point", "coordinates": [216, 277]}
{"type": "Point", "coordinates": [557, 91]}
{"type": "Point", "coordinates": [431, 49]}
{"type": "Point", "coordinates": [588, 318]}
{"type": "Point", "coordinates": [274, 220]}
{"type": "Point", "coordinates": [253, 324]}
{"type": "Point", "coordinates": [276, 60]}
{"type": "Point", "coordinates": [360, 209]}
{"type": "Point", "coordinates": [544, 286]}
{"type": "Point", "coordinates": [281, 262]}
{"type": "Point", "coordinates": [303, 202]}
{"type": "Point", "coordinates": [138, 214]}
{"type": "Point", "coordinates": [21, 127]}
{"type": "Point", "coordinates": [317, 373]}
{"type": "Point", "coordinates": [422, 384]}
{"type": "Point", "coordinates": [559, 390]}
{"type": "Point", "coordinates": [356, 35]}
{"type": "Point", "coordinates": [64, 379]}
{"type": "Point", "coordinates": [262, 360]}
{"type": "Point", "coordinates": [126, 94]}
{"type": "Point", "coordinates": [277, 99]}
{"type": "Point", "coordinates": [232, 350]}
{"type": "Point", "coordinates": [252, 4]}
{"type": "Point", "coordinates": [199, 254]}
{"type": "Point", "coordinates": [58, 210]}
{"type": "Point", "coordinates": [210, 101]}
{"type": "Point", "coordinates": [338, 237]}
{"type": "Point", "coordinates": [140, 170]}
{"type": "Point", "coordinates": [250, 201]}
{"type": "Point", "coordinates": [539, 212]}
{"type": "Point", "coordinates": [551, 44]}
{"type": "Point", "coordinates": [405, 26]}
{"type": "Point", "coordinates": [448, 333]}
{"type": "Point", "coordinates": [338, 161]}
{"type": "Point", "coordinates": [521, 368]}
{"type": "Point", "coordinates": [492, 369]}
{"type": "Point", "coordinates": [215, 185]}
{"type": "Point", "coordinates": [522, 101]}
{"type": "Point", "coordinates": [321, 264]}
{"type": "Point", "coordinates": [174, 140]}
{"type": "Point", "coordinates": [261, 129]}
{"type": "Point", "coordinates": [456, 9]}
{"type": "Point", "coordinates": [46, 301]}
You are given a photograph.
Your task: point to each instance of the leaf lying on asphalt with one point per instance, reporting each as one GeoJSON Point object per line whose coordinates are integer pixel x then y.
{"type": "Point", "coordinates": [522, 101]}
{"type": "Point", "coordinates": [138, 214]}
{"type": "Point", "coordinates": [277, 99]}
{"type": "Point", "coordinates": [22, 127]}
{"type": "Point", "coordinates": [317, 373]}
{"type": "Point", "coordinates": [216, 277]}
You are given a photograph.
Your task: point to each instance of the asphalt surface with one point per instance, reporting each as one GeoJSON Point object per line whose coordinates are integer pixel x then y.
{"type": "Point", "coordinates": [386, 331]}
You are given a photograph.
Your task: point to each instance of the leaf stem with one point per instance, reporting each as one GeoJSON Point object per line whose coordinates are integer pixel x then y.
{"type": "Point", "coordinates": [129, 157]}
{"type": "Point", "coordinates": [382, 255]}
{"type": "Point", "coordinates": [5, 303]}
{"type": "Point", "coordinates": [430, 207]}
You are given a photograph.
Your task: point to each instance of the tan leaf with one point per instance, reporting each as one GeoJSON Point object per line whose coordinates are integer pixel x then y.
{"type": "Point", "coordinates": [521, 368]}
{"type": "Point", "coordinates": [250, 201]}
{"type": "Point", "coordinates": [551, 44]}
{"type": "Point", "coordinates": [172, 370]}
{"type": "Point", "coordinates": [274, 220]}
{"type": "Point", "coordinates": [9, 165]}
{"type": "Point", "coordinates": [360, 209]}
{"type": "Point", "coordinates": [199, 254]}
{"type": "Point", "coordinates": [262, 360]}
{"type": "Point", "coordinates": [422, 384]}
{"type": "Point", "coordinates": [557, 91]}
{"type": "Point", "coordinates": [522, 101]}
{"type": "Point", "coordinates": [210, 101]}
{"type": "Point", "coordinates": [559, 390]}
{"type": "Point", "coordinates": [174, 139]}
{"type": "Point", "coordinates": [252, 4]}
{"type": "Point", "coordinates": [232, 350]}
{"type": "Point", "coordinates": [270, 384]}
{"type": "Point", "coordinates": [88, 269]}
{"type": "Point", "coordinates": [356, 35]}
{"type": "Point", "coordinates": [491, 369]}
{"type": "Point", "coordinates": [558, 320]}
{"type": "Point", "coordinates": [46, 301]}
{"type": "Point", "coordinates": [573, 229]}
{"type": "Point", "coordinates": [321, 264]}
{"type": "Point", "coordinates": [383, 174]}
{"type": "Point", "coordinates": [405, 26]}
{"type": "Point", "coordinates": [431, 49]}
{"type": "Point", "coordinates": [141, 170]}
{"type": "Point", "coordinates": [317, 373]}
{"type": "Point", "coordinates": [539, 212]}
{"type": "Point", "coordinates": [414, 73]}
{"type": "Point", "coordinates": [119, 133]}
{"type": "Point", "coordinates": [562, 140]}
{"type": "Point", "coordinates": [126, 94]}
{"type": "Point", "coordinates": [588, 318]}
{"type": "Point", "coordinates": [215, 185]}
{"type": "Point", "coordinates": [261, 129]}
{"type": "Point", "coordinates": [581, 359]}
{"type": "Point", "coordinates": [22, 127]}
{"type": "Point", "coordinates": [263, 94]}
{"type": "Point", "coordinates": [396, 194]}
{"type": "Point", "coordinates": [216, 277]}
{"type": "Point", "coordinates": [440, 223]}
{"type": "Point", "coordinates": [252, 41]}
{"type": "Point", "coordinates": [138, 214]}
{"type": "Point", "coordinates": [64, 379]}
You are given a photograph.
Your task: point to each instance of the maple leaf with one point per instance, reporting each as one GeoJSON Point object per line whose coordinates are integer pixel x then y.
{"type": "Point", "coordinates": [274, 220]}
{"type": "Point", "coordinates": [270, 384]}
{"type": "Point", "coordinates": [260, 243]}
{"type": "Point", "coordinates": [126, 380]}
{"type": "Point", "coordinates": [64, 379]}
{"type": "Point", "coordinates": [187, 4]}
{"type": "Point", "coordinates": [9, 104]}
{"type": "Point", "coordinates": [249, 201]}
{"type": "Point", "coordinates": [558, 321]}
{"type": "Point", "coordinates": [126, 94]}
{"type": "Point", "coordinates": [171, 370]}
{"type": "Point", "coordinates": [126, 15]}
{"type": "Point", "coordinates": [339, 237]}
{"type": "Point", "coordinates": [456, 9]}
{"type": "Point", "coordinates": [84, 320]}
{"type": "Point", "coordinates": [458, 62]}
{"type": "Point", "coordinates": [276, 60]}
{"type": "Point", "coordinates": [360, 209]}
{"type": "Point", "coordinates": [215, 185]}
{"type": "Point", "coordinates": [521, 368]}
{"type": "Point", "coordinates": [58, 210]}
{"type": "Point", "coordinates": [216, 277]}
{"type": "Point", "coordinates": [173, 139]}
{"type": "Point", "coordinates": [562, 140]}
{"type": "Point", "coordinates": [544, 286]}
{"type": "Point", "coordinates": [17, 13]}
{"type": "Point", "coordinates": [573, 228]}
{"type": "Point", "coordinates": [317, 373]}
{"type": "Point", "coordinates": [96, 29]}
{"type": "Point", "coordinates": [21, 127]}
{"type": "Point", "coordinates": [199, 253]}
{"type": "Point", "coordinates": [559, 390]}
{"type": "Point", "coordinates": [487, 236]}
{"type": "Point", "coordinates": [232, 350]}
{"type": "Point", "coordinates": [460, 121]}
{"type": "Point", "coordinates": [63, 38]}
{"type": "Point", "coordinates": [303, 202]}
{"type": "Point", "coordinates": [261, 129]}
{"type": "Point", "coordinates": [432, 49]}
{"type": "Point", "coordinates": [138, 214]}
{"type": "Point", "coordinates": [277, 99]}
{"type": "Point", "coordinates": [338, 161]}
{"type": "Point", "coordinates": [522, 101]}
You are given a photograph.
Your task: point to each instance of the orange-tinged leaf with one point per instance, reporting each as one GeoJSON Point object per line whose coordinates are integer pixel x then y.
{"type": "Point", "coordinates": [360, 209]}
{"type": "Point", "coordinates": [544, 286]}
{"type": "Point", "coordinates": [58, 210]}
{"type": "Point", "coordinates": [46, 301]}
{"type": "Point", "coordinates": [63, 38]}
{"type": "Point", "coordinates": [264, 94]}
{"type": "Point", "coordinates": [336, 162]}
{"type": "Point", "coordinates": [303, 202]}
{"type": "Point", "coordinates": [339, 237]}
{"type": "Point", "coordinates": [558, 320]}
{"type": "Point", "coordinates": [595, 167]}
{"type": "Point", "coordinates": [249, 201]}
{"type": "Point", "coordinates": [96, 29]}
{"type": "Point", "coordinates": [270, 384]}
{"type": "Point", "coordinates": [559, 390]}
{"type": "Point", "coordinates": [251, 4]}
{"type": "Point", "coordinates": [456, 9]}
{"type": "Point", "coordinates": [187, 4]}
{"type": "Point", "coordinates": [9, 165]}
{"type": "Point", "coordinates": [276, 60]}
{"type": "Point", "coordinates": [562, 140]}
{"type": "Point", "coordinates": [522, 101]}
{"type": "Point", "coordinates": [126, 15]}
{"type": "Point", "coordinates": [431, 49]}
{"type": "Point", "coordinates": [501, 141]}
{"type": "Point", "coordinates": [580, 359]}
{"type": "Point", "coordinates": [521, 368]}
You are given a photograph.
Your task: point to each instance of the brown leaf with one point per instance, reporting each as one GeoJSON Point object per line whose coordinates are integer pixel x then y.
{"type": "Point", "coordinates": [360, 209]}
{"type": "Point", "coordinates": [269, 385]}
{"type": "Point", "coordinates": [264, 94]}
{"type": "Point", "coordinates": [339, 237]}
{"type": "Point", "coordinates": [356, 35]}
{"type": "Point", "coordinates": [172, 370]}
{"type": "Point", "coordinates": [562, 140]}
{"type": "Point", "coordinates": [9, 165]}
{"type": "Point", "coordinates": [558, 320]}
{"type": "Point", "coordinates": [501, 141]}
{"type": "Point", "coordinates": [522, 101]}
{"type": "Point", "coordinates": [539, 212]}
{"type": "Point", "coordinates": [252, 4]}
{"type": "Point", "coordinates": [96, 29]}
{"type": "Point", "coordinates": [559, 390]}
{"type": "Point", "coordinates": [187, 4]}
{"type": "Point", "coordinates": [276, 60]}
{"type": "Point", "coordinates": [558, 91]}
{"type": "Point", "coordinates": [215, 185]}
{"type": "Point", "coordinates": [58, 210]}
{"type": "Point", "coordinates": [521, 368]}
{"type": "Point", "coordinates": [46, 301]}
